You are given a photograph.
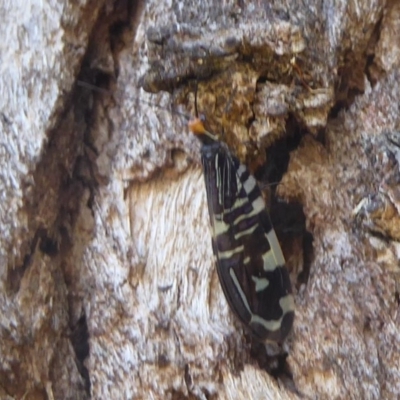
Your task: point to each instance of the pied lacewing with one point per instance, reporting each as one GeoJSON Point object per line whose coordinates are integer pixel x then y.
{"type": "Point", "coordinates": [249, 259]}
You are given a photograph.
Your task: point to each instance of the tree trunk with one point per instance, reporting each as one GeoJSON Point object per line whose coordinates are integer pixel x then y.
{"type": "Point", "coordinates": [108, 282]}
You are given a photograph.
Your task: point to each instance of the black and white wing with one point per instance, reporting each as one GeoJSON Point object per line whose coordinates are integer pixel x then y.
{"type": "Point", "coordinates": [250, 263]}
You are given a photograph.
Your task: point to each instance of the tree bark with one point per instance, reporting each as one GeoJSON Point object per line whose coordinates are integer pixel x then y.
{"type": "Point", "coordinates": [108, 282]}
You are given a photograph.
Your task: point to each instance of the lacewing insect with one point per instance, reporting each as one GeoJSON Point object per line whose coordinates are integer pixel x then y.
{"type": "Point", "coordinates": [250, 263]}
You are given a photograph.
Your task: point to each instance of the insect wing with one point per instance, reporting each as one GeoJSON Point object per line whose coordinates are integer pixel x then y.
{"type": "Point", "coordinates": [250, 263]}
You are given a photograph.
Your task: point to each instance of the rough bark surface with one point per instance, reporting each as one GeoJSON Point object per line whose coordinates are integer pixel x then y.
{"type": "Point", "coordinates": [108, 286]}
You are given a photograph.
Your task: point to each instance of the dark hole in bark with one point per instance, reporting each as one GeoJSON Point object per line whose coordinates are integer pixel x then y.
{"type": "Point", "coordinates": [47, 244]}
{"type": "Point", "coordinates": [273, 360]}
{"type": "Point", "coordinates": [80, 342]}
{"type": "Point", "coordinates": [287, 218]}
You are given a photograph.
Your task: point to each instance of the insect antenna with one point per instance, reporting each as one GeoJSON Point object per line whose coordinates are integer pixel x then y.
{"type": "Point", "coordinates": [98, 89]}
{"type": "Point", "coordinates": [195, 100]}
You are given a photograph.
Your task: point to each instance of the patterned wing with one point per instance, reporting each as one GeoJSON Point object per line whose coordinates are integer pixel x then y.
{"type": "Point", "coordinates": [250, 263]}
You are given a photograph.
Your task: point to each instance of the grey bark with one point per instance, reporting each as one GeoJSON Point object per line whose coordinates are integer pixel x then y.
{"type": "Point", "coordinates": [108, 286]}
